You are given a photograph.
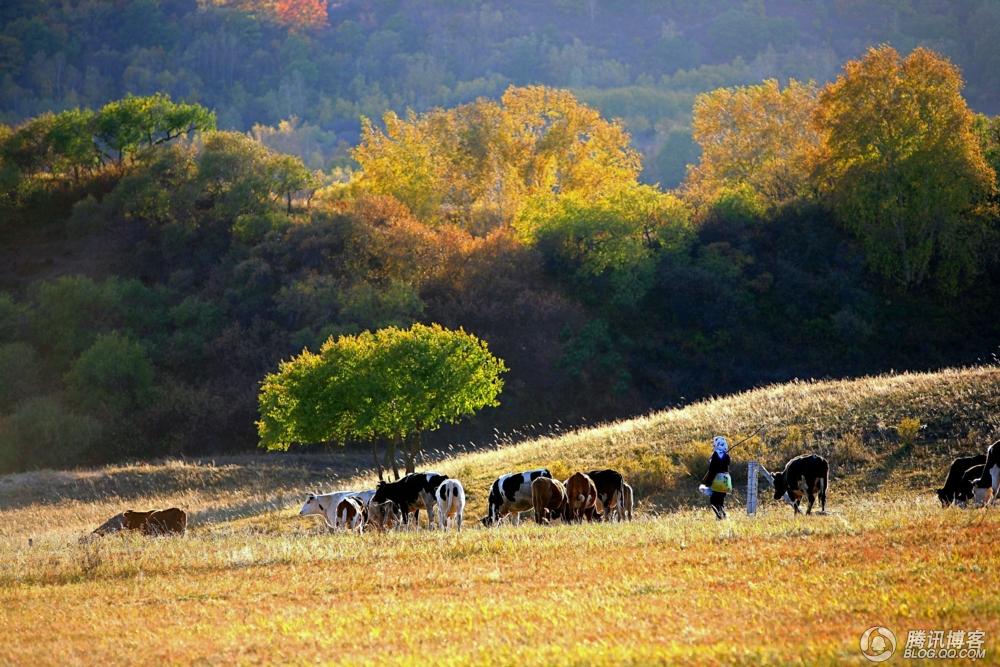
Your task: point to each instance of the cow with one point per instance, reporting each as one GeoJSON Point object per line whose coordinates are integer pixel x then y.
{"type": "Point", "coordinates": [172, 521]}
{"type": "Point", "coordinates": [808, 474]}
{"type": "Point", "coordinates": [548, 498]}
{"type": "Point", "coordinates": [967, 486]}
{"type": "Point", "coordinates": [946, 494]}
{"type": "Point", "coordinates": [627, 505]}
{"type": "Point", "coordinates": [511, 494]}
{"type": "Point", "coordinates": [610, 489]}
{"type": "Point", "coordinates": [414, 491]}
{"type": "Point", "coordinates": [350, 514]}
{"type": "Point", "coordinates": [581, 493]}
{"type": "Point", "coordinates": [384, 515]}
{"type": "Point", "coordinates": [325, 505]}
{"type": "Point", "coordinates": [450, 498]}
{"type": "Point", "coordinates": [991, 471]}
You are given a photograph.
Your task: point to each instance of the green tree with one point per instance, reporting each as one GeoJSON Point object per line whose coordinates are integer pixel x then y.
{"type": "Point", "coordinates": [393, 384]}
{"type": "Point", "coordinates": [114, 374]}
{"type": "Point", "coordinates": [608, 244]}
{"type": "Point", "coordinates": [903, 167]}
{"type": "Point", "coordinates": [128, 126]}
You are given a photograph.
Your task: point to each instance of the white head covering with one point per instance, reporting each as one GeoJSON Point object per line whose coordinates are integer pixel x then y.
{"type": "Point", "coordinates": [721, 445]}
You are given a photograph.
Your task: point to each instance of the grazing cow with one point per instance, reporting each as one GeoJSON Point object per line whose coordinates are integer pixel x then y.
{"type": "Point", "coordinates": [450, 497]}
{"type": "Point", "coordinates": [610, 489]}
{"type": "Point", "coordinates": [946, 494]}
{"type": "Point", "coordinates": [385, 515]}
{"type": "Point", "coordinates": [548, 497]}
{"type": "Point", "coordinates": [170, 521]}
{"type": "Point", "coordinates": [808, 474]}
{"type": "Point", "coordinates": [581, 493]}
{"type": "Point", "coordinates": [325, 505]}
{"type": "Point", "coordinates": [991, 472]}
{"type": "Point", "coordinates": [414, 491]}
{"type": "Point", "coordinates": [627, 504]}
{"type": "Point", "coordinates": [967, 486]}
{"type": "Point", "coordinates": [511, 494]}
{"type": "Point", "coordinates": [350, 514]}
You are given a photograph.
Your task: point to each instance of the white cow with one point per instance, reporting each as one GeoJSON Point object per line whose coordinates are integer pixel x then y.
{"type": "Point", "coordinates": [326, 505]}
{"type": "Point", "coordinates": [450, 496]}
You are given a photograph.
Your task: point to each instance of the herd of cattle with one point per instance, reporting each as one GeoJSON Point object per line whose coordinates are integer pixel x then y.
{"type": "Point", "coordinates": [597, 495]}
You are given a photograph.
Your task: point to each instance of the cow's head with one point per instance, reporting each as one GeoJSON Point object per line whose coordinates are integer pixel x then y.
{"type": "Point", "coordinates": [313, 505]}
{"type": "Point", "coordinates": [946, 497]}
{"type": "Point", "coordinates": [780, 485]}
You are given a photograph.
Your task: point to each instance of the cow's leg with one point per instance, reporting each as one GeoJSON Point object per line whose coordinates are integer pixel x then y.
{"type": "Point", "coordinates": [442, 517]}
{"type": "Point", "coordinates": [995, 474]}
{"type": "Point", "coordinates": [822, 495]}
{"type": "Point", "coordinates": [812, 501]}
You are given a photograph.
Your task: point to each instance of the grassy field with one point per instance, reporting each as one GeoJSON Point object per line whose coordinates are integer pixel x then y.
{"type": "Point", "coordinates": [253, 583]}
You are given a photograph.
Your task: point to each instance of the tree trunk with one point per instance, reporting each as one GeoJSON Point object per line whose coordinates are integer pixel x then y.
{"type": "Point", "coordinates": [392, 456]}
{"type": "Point", "coordinates": [378, 463]}
{"type": "Point", "coordinates": [289, 195]}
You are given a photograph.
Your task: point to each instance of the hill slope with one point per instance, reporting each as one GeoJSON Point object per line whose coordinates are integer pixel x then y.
{"type": "Point", "coordinates": [851, 422]}
{"type": "Point", "coordinates": [253, 583]}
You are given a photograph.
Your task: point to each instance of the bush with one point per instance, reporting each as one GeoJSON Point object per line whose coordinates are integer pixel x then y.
{"type": "Point", "coordinates": [11, 315]}
{"type": "Point", "coordinates": [42, 433]}
{"type": "Point", "coordinates": [113, 374]}
{"type": "Point", "coordinates": [20, 370]}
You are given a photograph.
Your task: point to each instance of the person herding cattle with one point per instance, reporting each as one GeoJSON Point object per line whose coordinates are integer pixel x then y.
{"type": "Point", "coordinates": [717, 481]}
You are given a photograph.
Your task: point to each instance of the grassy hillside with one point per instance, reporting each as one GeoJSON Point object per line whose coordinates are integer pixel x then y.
{"type": "Point", "coordinates": [253, 583]}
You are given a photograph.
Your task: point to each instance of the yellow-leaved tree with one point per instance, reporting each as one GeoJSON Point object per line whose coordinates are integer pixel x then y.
{"type": "Point", "coordinates": [475, 165]}
{"type": "Point", "coordinates": [902, 166]}
{"type": "Point", "coordinates": [760, 136]}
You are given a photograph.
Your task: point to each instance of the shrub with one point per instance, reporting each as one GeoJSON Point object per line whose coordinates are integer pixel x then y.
{"type": "Point", "coordinates": [41, 433]}
{"type": "Point", "coordinates": [20, 370]}
{"type": "Point", "coordinates": [908, 429]}
{"type": "Point", "coordinates": [114, 373]}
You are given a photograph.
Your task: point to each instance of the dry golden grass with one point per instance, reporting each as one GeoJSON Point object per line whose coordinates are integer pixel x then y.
{"type": "Point", "coordinates": [253, 583]}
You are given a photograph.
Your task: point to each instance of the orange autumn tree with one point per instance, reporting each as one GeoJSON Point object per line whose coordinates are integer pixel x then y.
{"type": "Point", "coordinates": [301, 14]}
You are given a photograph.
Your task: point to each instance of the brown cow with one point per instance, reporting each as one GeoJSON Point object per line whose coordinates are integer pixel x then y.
{"type": "Point", "coordinates": [581, 493]}
{"type": "Point", "coordinates": [171, 521]}
{"type": "Point", "coordinates": [351, 514]}
{"type": "Point", "coordinates": [548, 497]}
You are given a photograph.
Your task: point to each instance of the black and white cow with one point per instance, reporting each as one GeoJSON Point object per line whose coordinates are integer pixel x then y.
{"type": "Point", "coordinates": [610, 491]}
{"type": "Point", "coordinates": [946, 494]}
{"type": "Point", "coordinates": [809, 475]}
{"type": "Point", "coordinates": [966, 487]}
{"type": "Point", "coordinates": [991, 471]}
{"type": "Point", "coordinates": [411, 493]}
{"type": "Point", "coordinates": [511, 494]}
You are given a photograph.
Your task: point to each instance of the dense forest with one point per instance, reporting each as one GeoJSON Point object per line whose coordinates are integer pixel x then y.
{"type": "Point", "coordinates": [191, 192]}
{"type": "Point", "coordinates": [300, 73]}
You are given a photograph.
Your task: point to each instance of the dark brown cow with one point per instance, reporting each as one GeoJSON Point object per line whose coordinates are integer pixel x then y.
{"type": "Point", "coordinates": [582, 497]}
{"type": "Point", "coordinates": [548, 497]}
{"type": "Point", "coordinates": [171, 521]}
